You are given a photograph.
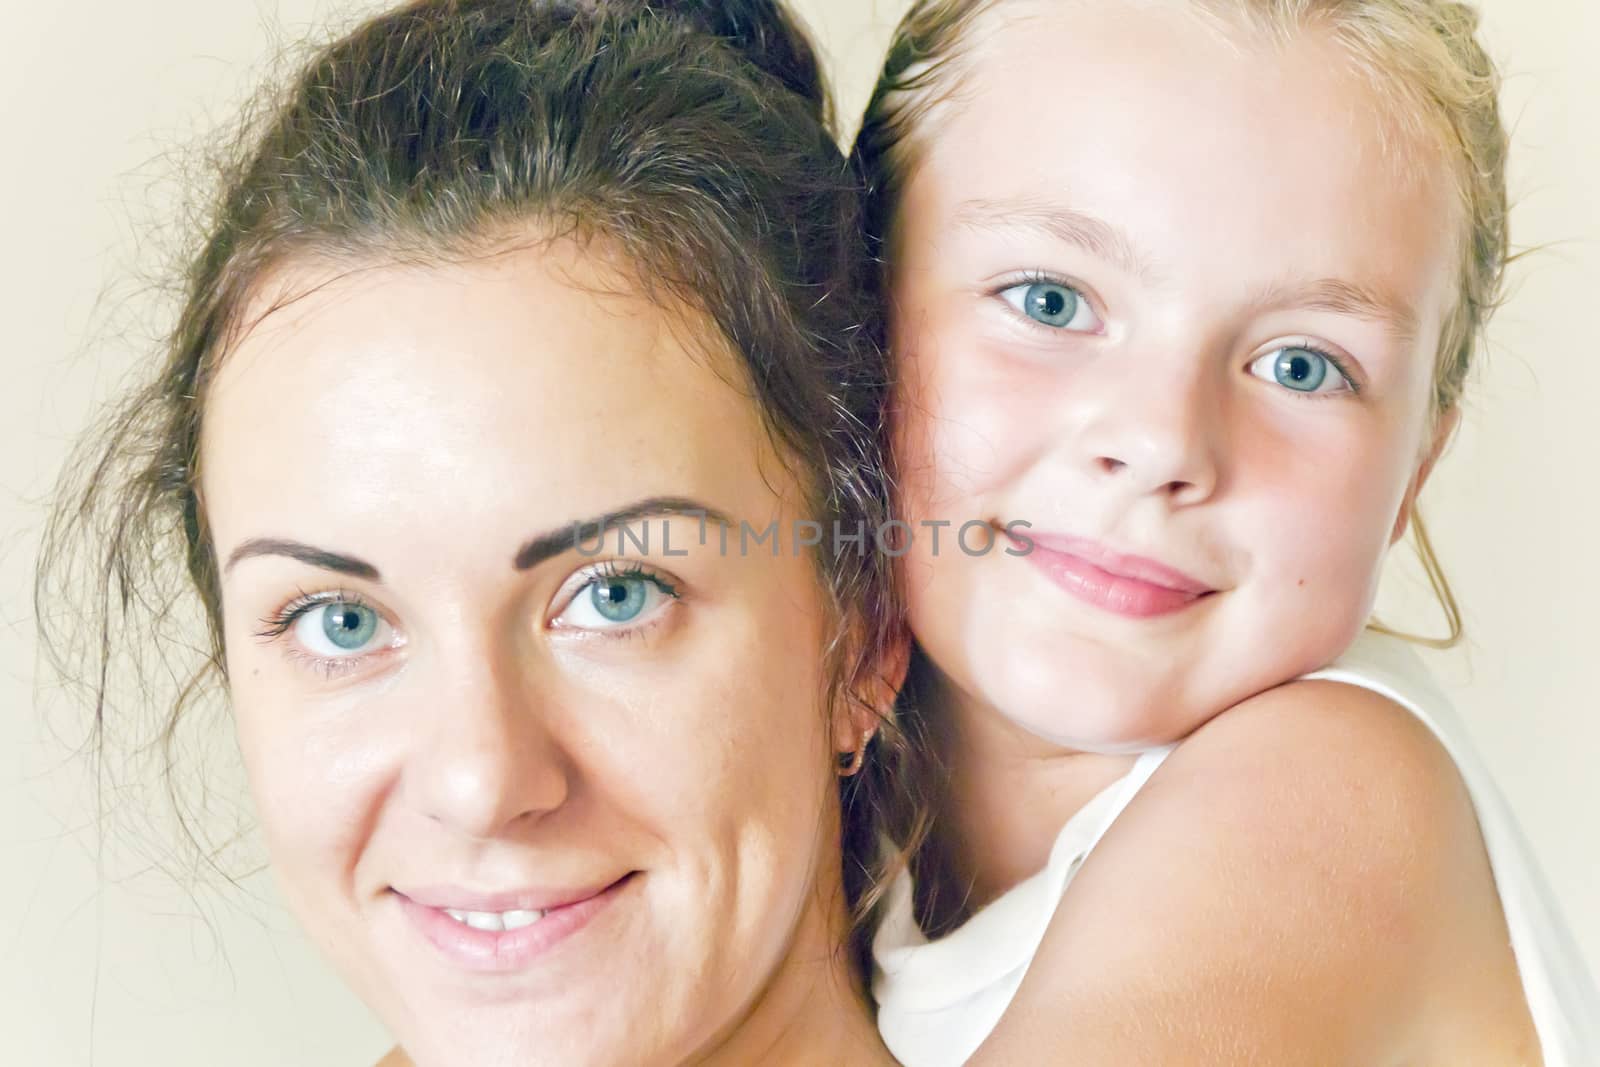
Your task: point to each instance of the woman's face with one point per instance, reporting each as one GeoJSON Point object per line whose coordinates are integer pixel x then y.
{"type": "Point", "coordinates": [1172, 299]}
{"type": "Point", "coordinates": [541, 803]}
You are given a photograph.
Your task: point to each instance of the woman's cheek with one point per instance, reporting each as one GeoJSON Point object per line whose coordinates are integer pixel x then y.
{"type": "Point", "coordinates": [317, 767]}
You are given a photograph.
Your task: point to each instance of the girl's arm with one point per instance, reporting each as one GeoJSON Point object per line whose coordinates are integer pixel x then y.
{"type": "Point", "coordinates": [1303, 881]}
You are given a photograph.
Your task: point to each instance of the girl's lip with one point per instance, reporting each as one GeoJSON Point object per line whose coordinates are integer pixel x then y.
{"type": "Point", "coordinates": [502, 951]}
{"type": "Point", "coordinates": [1120, 565]}
{"type": "Point", "coordinates": [1131, 586]}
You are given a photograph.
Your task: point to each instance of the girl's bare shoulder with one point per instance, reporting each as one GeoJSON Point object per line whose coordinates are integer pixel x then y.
{"type": "Point", "coordinates": [1305, 871]}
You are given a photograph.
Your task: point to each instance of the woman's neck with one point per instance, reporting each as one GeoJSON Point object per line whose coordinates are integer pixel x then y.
{"type": "Point", "coordinates": [1010, 792]}
{"type": "Point", "coordinates": [813, 1009]}
{"type": "Point", "coordinates": [828, 1022]}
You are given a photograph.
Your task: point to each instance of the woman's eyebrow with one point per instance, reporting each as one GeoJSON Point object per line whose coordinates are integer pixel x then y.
{"type": "Point", "coordinates": [316, 557]}
{"type": "Point", "coordinates": [563, 539]}
{"type": "Point", "coordinates": [535, 551]}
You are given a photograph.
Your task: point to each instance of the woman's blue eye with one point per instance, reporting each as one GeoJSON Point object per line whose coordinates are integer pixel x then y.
{"type": "Point", "coordinates": [1304, 370]}
{"type": "Point", "coordinates": [613, 601]}
{"type": "Point", "coordinates": [336, 629]}
{"type": "Point", "coordinates": [1052, 304]}
{"type": "Point", "coordinates": [348, 627]}
{"type": "Point", "coordinates": [620, 599]}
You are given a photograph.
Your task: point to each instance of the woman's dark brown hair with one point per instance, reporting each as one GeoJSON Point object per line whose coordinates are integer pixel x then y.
{"type": "Point", "coordinates": [694, 135]}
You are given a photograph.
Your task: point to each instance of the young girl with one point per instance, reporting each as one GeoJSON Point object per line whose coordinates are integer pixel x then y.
{"type": "Point", "coordinates": [1183, 296]}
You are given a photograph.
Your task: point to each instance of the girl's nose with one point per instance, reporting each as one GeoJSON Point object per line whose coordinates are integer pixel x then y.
{"type": "Point", "coordinates": [1142, 431]}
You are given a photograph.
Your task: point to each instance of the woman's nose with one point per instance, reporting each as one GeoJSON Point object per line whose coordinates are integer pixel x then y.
{"type": "Point", "coordinates": [491, 758]}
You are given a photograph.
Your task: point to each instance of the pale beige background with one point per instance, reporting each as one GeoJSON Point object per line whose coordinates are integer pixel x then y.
{"type": "Point", "coordinates": [133, 969]}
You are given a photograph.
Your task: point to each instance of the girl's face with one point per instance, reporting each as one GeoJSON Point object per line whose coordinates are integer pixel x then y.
{"type": "Point", "coordinates": [1173, 300]}
{"type": "Point", "coordinates": [541, 803]}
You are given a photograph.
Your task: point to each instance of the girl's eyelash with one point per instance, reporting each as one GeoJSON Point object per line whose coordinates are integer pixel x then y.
{"type": "Point", "coordinates": [1338, 365]}
{"type": "Point", "coordinates": [1036, 276]}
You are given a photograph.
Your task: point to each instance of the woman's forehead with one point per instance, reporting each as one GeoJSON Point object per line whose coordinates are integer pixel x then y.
{"type": "Point", "coordinates": [532, 383]}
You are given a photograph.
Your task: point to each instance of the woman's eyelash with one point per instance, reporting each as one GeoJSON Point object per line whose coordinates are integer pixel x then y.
{"type": "Point", "coordinates": [278, 623]}
{"type": "Point", "coordinates": [612, 569]}
{"type": "Point", "coordinates": [328, 668]}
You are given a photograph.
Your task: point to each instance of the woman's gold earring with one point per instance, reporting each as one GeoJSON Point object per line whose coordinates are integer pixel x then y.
{"type": "Point", "coordinates": [850, 763]}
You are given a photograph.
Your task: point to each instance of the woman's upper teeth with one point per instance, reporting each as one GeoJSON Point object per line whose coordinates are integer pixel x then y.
{"type": "Point", "coordinates": [495, 920]}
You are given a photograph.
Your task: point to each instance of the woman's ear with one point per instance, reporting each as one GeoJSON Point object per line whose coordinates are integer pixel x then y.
{"type": "Point", "coordinates": [872, 700]}
{"type": "Point", "coordinates": [1444, 428]}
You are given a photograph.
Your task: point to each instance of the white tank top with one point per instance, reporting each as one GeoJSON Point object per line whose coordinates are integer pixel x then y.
{"type": "Point", "coordinates": [938, 1000]}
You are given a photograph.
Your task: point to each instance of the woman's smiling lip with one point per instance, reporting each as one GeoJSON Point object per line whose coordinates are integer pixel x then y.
{"type": "Point", "coordinates": [547, 918]}
{"type": "Point", "coordinates": [1128, 585]}
{"type": "Point", "coordinates": [459, 899]}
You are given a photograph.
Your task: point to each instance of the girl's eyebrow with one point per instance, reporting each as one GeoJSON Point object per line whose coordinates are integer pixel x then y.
{"type": "Point", "coordinates": [1093, 235]}
{"type": "Point", "coordinates": [316, 557]}
{"type": "Point", "coordinates": [1107, 242]}
{"type": "Point", "coordinates": [1345, 298]}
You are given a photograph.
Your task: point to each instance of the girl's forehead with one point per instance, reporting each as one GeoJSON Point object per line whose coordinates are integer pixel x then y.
{"type": "Point", "coordinates": [1187, 144]}
{"type": "Point", "coordinates": [1180, 58]}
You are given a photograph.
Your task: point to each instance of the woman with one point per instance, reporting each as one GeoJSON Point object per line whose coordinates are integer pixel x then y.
{"type": "Point", "coordinates": [510, 315]}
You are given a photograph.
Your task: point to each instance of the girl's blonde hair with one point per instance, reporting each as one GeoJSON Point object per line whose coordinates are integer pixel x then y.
{"type": "Point", "coordinates": [1422, 56]}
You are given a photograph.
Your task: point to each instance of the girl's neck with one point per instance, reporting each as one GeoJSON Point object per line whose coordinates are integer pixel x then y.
{"type": "Point", "coordinates": [1009, 794]}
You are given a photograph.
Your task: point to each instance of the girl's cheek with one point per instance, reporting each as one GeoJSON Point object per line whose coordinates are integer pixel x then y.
{"type": "Point", "coordinates": [1330, 556]}
{"type": "Point", "coordinates": [970, 421]}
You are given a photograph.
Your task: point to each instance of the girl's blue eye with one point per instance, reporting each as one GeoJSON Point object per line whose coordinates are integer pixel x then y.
{"type": "Point", "coordinates": [1052, 304]}
{"type": "Point", "coordinates": [1304, 370]}
{"type": "Point", "coordinates": [619, 599]}
{"type": "Point", "coordinates": [1300, 369]}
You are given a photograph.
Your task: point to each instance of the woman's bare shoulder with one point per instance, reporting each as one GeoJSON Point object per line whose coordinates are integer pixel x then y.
{"type": "Point", "coordinates": [1305, 871]}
